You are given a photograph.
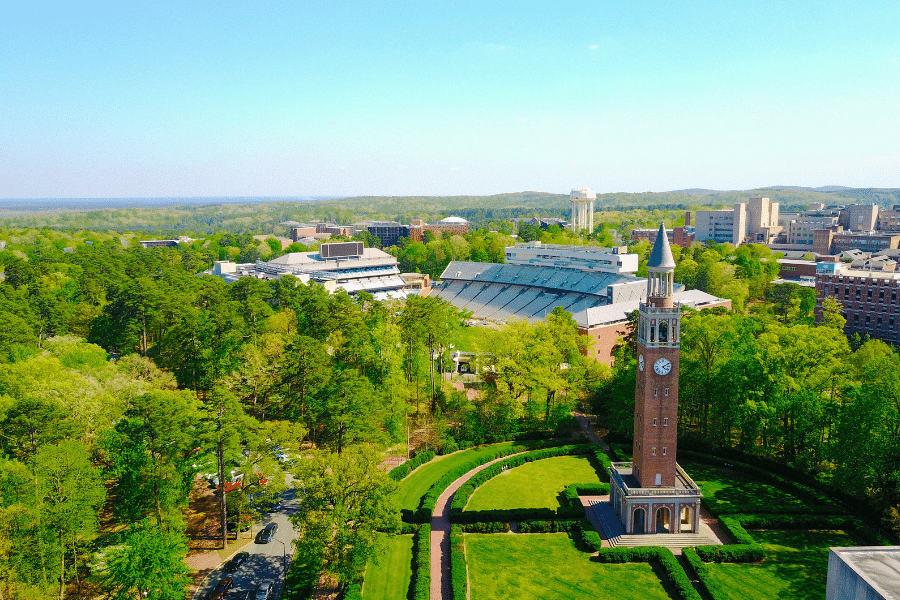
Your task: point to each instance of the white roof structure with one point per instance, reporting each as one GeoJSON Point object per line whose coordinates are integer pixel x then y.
{"type": "Point", "coordinates": [452, 220]}
{"type": "Point", "coordinates": [870, 573]}
{"type": "Point", "coordinates": [616, 313]}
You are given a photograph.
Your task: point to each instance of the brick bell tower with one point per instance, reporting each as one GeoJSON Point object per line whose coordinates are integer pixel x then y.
{"type": "Point", "coordinates": [656, 393]}
{"type": "Point", "coordinates": [652, 494]}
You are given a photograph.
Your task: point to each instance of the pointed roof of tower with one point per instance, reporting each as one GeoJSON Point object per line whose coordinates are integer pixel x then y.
{"type": "Point", "coordinates": [661, 256]}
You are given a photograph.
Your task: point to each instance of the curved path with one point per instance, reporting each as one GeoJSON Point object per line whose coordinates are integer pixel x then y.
{"type": "Point", "coordinates": [440, 536]}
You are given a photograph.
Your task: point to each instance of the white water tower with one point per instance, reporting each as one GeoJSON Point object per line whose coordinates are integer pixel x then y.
{"type": "Point", "coordinates": [583, 208]}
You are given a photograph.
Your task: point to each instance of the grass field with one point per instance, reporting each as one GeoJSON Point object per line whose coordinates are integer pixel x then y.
{"type": "Point", "coordinates": [389, 577]}
{"type": "Point", "coordinates": [796, 566]}
{"type": "Point", "coordinates": [468, 339]}
{"type": "Point", "coordinates": [533, 485]}
{"type": "Point", "coordinates": [548, 567]}
{"type": "Point", "coordinates": [417, 483]}
{"type": "Point", "coordinates": [731, 492]}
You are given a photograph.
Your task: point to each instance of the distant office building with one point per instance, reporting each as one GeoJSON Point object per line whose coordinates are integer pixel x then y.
{"type": "Point", "coordinates": [802, 230]}
{"type": "Point", "coordinates": [583, 208]}
{"type": "Point", "coordinates": [859, 217]}
{"type": "Point", "coordinates": [679, 236]}
{"type": "Point", "coordinates": [344, 230]}
{"type": "Point", "coordinates": [889, 220]}
{"type": "Point", "coordinates": [302, 231]}
{"type": "Point", "coordinates": [867, 241]}
{"type": "Point", "coordinates": [863, 573]}
{"type": "Point", "coordinates": [722, 226]}
{"type": "Point", "coordinates": [867, 292]}
{"type": "Point", "coordinates": [389, 232]}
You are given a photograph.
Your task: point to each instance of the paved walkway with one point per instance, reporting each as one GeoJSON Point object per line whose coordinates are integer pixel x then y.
{"type": "Point", "coordinates": [440, 536]}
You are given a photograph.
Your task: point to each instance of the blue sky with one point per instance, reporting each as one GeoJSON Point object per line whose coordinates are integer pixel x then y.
{"type": "Point", "coordinates": [351, 98]}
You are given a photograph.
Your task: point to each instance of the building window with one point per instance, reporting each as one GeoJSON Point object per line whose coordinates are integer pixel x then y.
{"type": "Point", "coordinates": [667, 391]}
{"type": "Point", "coordinates": [654, 422]}
{"type": "Point", "coordinates": [664, 450]}
{"type": "Point", "coordinates": [665, 421]}
{"type": "Point", "coordinates": [655, 392]}
{"type": "Point", "coordinates": [653, 452]}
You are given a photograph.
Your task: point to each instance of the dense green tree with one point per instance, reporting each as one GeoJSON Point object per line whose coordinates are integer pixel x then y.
{"type": "Point", "coordinates": [148, 565]}
{"type": "Point", "coordinates": [344, 499]}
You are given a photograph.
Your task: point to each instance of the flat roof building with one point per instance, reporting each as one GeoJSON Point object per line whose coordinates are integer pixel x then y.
{"type": "Point", "coordinates": [863, 573]}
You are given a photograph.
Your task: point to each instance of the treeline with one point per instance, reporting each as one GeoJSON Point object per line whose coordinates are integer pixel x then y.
{"type": "Point", "coordinates": [482, 211]}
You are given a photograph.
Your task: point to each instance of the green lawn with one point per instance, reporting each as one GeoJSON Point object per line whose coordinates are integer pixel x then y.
{"type": "Point", "coordinates": [548, 567]}
{"type": "Point", "coordinates": [732, 492]}
{"type": "Point", "coordinates": [467, 339]}
{"type": "Point", "coordinates": [533, 485]}
{"type": "Point", "coordinates": [388, 578]}
{"type": "Point", "coordinates": [417, 483]}
{"type": "Point", "coordinates": [795, 568]}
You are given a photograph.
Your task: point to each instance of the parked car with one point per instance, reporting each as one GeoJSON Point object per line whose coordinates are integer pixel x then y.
{"type": "Point", "coordinates": [263, 590]}
{"type": "Point", "coordinates": [223, 586]}
{"type": "Point", "coordinates": [234, 564]}
{"type": "Point", "coordinates": [268, 532]}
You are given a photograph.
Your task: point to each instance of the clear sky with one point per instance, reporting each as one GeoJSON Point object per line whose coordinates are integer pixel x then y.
{"type": "Point", "coordinates": [437, 98]}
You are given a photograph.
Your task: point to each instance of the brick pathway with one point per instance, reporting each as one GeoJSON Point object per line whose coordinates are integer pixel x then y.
{"type": "Point", "coordinates": [440, 536]}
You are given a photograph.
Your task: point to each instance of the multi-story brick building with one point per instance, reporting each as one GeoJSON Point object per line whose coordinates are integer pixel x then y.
{"type": "Point", "coordinates": [389, 232]}
{"type": "Point", "coordinates": [869, 296]}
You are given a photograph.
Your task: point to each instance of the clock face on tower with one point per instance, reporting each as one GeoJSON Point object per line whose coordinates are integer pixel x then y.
{"type": "Point", "coordinates": [662, 366]}
{"type": "Point", "coordinates": [641, 362]}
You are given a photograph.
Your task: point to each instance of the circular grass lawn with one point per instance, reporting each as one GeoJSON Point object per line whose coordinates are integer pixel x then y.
{"type": "Point", "coordinates": [533, 485]}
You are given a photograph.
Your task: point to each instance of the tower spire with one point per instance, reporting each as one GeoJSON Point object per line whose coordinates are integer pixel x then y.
{"type": "Point", "coordinates": [661, 256]}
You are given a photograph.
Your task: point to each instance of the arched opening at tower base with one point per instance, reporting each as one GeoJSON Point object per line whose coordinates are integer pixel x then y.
{"type": "Point", "coordinates": [662, 520]}
{"type": "Point", "coordinates": [687, 521]}
{"type": "Point", "coordinates": [639, 521]}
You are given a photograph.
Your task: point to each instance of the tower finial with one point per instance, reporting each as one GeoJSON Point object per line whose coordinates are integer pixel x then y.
{"type": "Point", "coordinates": [661, 256]}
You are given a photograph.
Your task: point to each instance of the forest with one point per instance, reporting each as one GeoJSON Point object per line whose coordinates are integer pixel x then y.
{"type": "Point", "coordinates": [127, 376]}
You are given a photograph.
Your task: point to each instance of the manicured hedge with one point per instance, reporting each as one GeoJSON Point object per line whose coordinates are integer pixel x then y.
{"type": "Point", "coordinates": [605, 464]}
{"type": "Point", "coordinates": [459, 577]}
{"type": "Point", "coordinates": [733, 553]}
{"type": "Point", "coordinates": [663, 556]}
{"type": "Point", "coordinates": [462, 495]}
{"type": "Point", "coordinates": [401, 471]}
{"type": "Point", "coordinates": [620, 452]}
{"type": "Point", "coordinates": [517, 514]}
{"type": "Point", "coordinates": [490, 527]}
{"type": "Point", "coordinates": [421, 579]}
{"type": "Point", "coordinates": [715, 590]}
{"type": "Point", "coordinates": [550, 526]}
{"type": "Point", "coordinates": [591, 540]}
{"type": "Point", "coordinates": [737, 532]}
{"type": "Point", "coordinates": [573, 491]}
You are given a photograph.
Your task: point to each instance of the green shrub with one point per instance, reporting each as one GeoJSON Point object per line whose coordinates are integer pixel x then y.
{"type": "Point", "coordinates": [459, 577]}
{"type": "Point", "coordinates": [714, 589]}
{"type": "Point", "coordinates": [401, 471]}
{"type": "Point", "coordinates": [590, 539]}
{"type": "Point", "coordinates": [489, 527]}
{"type": "Point", "coordinates": [574, 490]}
{"type": "Point", "coordinates": [550, 526]}
{"type": "Point", "coordinates": [421, 580]}
{"type": "Point", "coordinates": [734, 553]}
{"type": "Point", "coordinates": [605, 464]}
{"type": "Point", "coordinates": [733, 527]}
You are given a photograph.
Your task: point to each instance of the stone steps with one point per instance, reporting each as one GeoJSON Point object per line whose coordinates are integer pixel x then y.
{"type": "Point", "coordinates": [667, 540]}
